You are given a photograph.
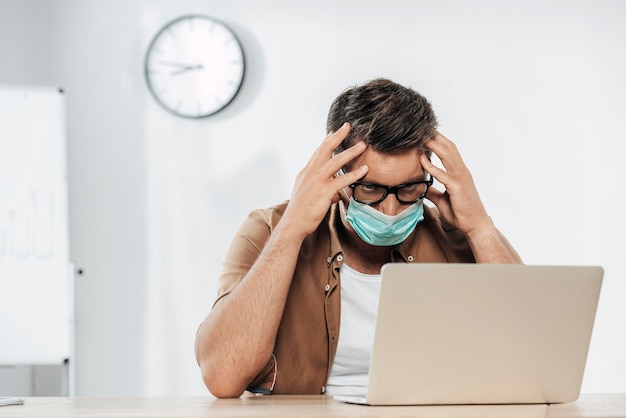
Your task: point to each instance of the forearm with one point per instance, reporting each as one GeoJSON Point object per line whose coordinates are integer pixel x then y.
{"type": "Point", "coordinates": [237, 338]}
{"type": "Point", "coordinates": [490, 246]}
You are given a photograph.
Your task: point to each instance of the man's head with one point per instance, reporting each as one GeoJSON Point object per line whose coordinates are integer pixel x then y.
{"type": "Point", "coordinates": [390, 118]}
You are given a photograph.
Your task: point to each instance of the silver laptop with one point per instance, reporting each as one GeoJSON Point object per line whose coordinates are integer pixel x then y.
{"type": "Point", "coordinates": [481, 334]}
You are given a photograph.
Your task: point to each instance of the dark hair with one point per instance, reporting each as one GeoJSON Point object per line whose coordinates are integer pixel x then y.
{"type": "Point", "coordinates": [389, 117]}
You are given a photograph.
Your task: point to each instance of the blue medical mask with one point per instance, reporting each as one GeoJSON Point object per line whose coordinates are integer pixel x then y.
{"type": "Point", "coordinates": [376, 228]}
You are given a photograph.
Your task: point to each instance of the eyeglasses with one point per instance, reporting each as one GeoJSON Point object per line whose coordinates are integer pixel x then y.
{"type": "Point", "coordinates": [372, 194]}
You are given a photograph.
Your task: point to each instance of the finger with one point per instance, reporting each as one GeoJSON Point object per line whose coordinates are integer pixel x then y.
{"type": "Point", "coordinates": [439, 141]}
{"type": "Point", "coordinates": [444, 148]}
{"type": "Point", "coordinates": [447, 152]}
{"type": "Point", "coordinates": [341, 181]}
{"type": "Point", "coordinates": [350, 177]}
{"type": "Point", "coordinates": [342, 159]}
{"type": "Point", "coordinates": [438, 173]}
{"type": "Point", "coordinates": [331, 142]}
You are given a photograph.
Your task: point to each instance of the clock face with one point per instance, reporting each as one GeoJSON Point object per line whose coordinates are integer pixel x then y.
{"type": "Point", "coordinates": [194, 66]}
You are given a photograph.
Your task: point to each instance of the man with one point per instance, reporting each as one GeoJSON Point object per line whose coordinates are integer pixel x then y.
{"type": "Point", "coordinates": [297, 295]}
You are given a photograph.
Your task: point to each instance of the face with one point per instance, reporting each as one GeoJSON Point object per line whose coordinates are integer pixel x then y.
{"type": "Point", "coordinates": [388, 170]}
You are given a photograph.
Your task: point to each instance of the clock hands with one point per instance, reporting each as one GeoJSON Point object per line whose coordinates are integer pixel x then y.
{"type": "Point", "coordinates": [173, 64]}
{"type": "Point", "coordinates": [187, 68]}
{"type": "Point", "coordinates": [182, 67]}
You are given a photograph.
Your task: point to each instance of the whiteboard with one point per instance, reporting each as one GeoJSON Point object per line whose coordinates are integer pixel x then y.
{"type": "Point", "coordinates": [34, 243]}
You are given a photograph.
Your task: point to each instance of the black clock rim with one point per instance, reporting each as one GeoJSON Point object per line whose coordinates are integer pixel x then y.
{"type": "Point", "coordinates": [163, 29]}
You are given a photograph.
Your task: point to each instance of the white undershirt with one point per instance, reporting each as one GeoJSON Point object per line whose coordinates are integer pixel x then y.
{"type": "Point", "coordinates": [359, 305]}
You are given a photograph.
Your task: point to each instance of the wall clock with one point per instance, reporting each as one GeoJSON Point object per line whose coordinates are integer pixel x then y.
{"type": "Point", "coordinates": [194, 66]}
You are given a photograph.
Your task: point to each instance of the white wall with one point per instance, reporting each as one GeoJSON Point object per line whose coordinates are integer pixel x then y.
{"type": "Point", "coordinates": [533, 93]}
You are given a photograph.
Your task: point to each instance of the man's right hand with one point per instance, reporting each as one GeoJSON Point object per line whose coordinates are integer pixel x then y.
{"type": "Point", "coordinates": [318, 183]}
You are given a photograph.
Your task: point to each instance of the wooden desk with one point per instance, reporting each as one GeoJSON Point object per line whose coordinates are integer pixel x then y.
{"type": "Point", "coordinates": [596, 406]}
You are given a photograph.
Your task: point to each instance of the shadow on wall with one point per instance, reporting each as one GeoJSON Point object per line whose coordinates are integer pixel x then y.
{"type": "Point", "coordinates": [254, 73]}
{"type": "Point", "coordinates": [261, 182]}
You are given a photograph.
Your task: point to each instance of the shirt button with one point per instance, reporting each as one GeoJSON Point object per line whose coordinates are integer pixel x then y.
{"type": "Point", "coordinates": [327, 288]}
{"type": "Point", "coordinates": [410, 258]}
{"type": "Point", "coordinates": [328, 260]}
{"type": "Point", "coordinates": [339, 257]}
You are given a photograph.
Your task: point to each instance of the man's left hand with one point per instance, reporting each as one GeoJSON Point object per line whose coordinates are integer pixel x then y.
{"type": "Point", "coordinates": [459, 204]}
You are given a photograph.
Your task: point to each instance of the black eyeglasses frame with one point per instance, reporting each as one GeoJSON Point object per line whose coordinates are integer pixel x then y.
{"type": "Point", "coordinates": [392, 189]}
